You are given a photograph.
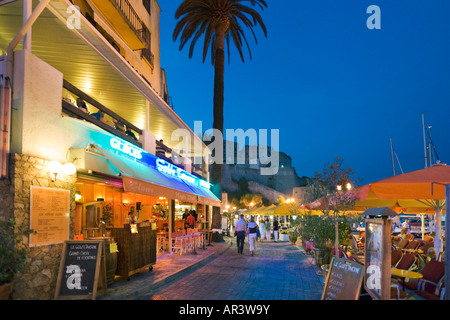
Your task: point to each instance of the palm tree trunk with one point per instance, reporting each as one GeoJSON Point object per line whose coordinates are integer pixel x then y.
{"type": "Point", "coordinates": [219, 70]}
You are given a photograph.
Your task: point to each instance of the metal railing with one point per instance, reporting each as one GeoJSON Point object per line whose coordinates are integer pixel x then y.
{"type": "Point", "coordinates": [133, 20]}
{"type": "Point", "coordinates": [149, 56]}
{"type": "Point", "coordinates": [74, 111]}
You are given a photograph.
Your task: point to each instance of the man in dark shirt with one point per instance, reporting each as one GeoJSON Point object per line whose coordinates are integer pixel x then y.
{"type": "Point", "coordinates": [275, 229]}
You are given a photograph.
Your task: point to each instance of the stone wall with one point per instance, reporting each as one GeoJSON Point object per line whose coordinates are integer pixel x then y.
{"type": "Point", "coordinates": [37, 280]}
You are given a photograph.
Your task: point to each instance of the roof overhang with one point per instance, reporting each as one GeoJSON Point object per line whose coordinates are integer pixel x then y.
{"type": "Point", "coordinates": [89, 62]}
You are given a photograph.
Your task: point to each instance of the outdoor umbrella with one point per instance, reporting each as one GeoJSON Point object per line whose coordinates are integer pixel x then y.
{"type": "Point", "coordinates": [413, 192]}
{"type": "Point", "coordinates": [429, 187]}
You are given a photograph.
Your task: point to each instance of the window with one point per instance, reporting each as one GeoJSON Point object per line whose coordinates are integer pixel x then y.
{"type": "Point", "coordinates": [147, 4]}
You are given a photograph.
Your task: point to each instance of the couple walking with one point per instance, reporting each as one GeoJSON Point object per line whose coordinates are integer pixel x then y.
{"type": "Point", "coordinates": [242, 228]}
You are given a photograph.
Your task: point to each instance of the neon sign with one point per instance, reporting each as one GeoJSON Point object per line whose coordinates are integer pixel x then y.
{"type": "Point", "coordinates": [126, 148]}
{"type": "Point", "coordinates": [150, 160]}
{"type": "Point", "coordinates": [171, 170]}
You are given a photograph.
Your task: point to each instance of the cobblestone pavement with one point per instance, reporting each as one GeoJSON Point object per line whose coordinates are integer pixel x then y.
{"type": "Point", "coordinates": [278, 271]}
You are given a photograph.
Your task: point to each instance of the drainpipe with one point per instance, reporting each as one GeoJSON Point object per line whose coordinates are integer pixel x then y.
{"type": "Point", "coordinates": [5, 118]}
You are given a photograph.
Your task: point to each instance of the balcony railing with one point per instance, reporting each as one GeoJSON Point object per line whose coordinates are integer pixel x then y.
{"type": "Point", "coordinates": [74, 111]}
{"type": "Point", "coordinates": [133, 20]}
{"type": "Point", "coordinates": [149, 56]}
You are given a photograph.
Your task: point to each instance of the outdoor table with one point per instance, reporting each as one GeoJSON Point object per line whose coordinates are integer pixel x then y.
{"type": "Point", "coordinates": [203, 232]}
{"type": "Point", "coordinates": [209, 232]}
{"type": "Point", "coordinates": [405, 274]}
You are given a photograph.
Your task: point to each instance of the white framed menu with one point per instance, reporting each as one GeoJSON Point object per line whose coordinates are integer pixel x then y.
{"type": "Point", "coordinates": [49, 215]}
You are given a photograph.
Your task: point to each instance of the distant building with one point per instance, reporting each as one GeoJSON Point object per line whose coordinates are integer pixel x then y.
{"type": "Point", "coordinates": [271, 186]}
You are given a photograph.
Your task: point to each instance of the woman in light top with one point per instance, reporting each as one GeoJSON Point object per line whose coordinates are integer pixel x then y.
{"type": "Point", "coordinates": [252, 226]}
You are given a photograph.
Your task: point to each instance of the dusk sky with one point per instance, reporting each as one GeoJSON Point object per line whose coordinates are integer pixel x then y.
{"type": "Point", "coordinates": [328, 83]}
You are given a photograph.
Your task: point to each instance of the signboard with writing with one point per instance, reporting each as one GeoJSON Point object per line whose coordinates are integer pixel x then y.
{"type": "Point", "coordinates": [344, 280]}
{"type": "Point", "coordinates": [50, 214]}
{"type": "Point", "coordinates": [377, 264]}
{"type": "Point", "coordinates": [79, 270]}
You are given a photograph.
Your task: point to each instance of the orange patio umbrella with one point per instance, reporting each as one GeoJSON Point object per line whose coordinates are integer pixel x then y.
{"type": "Point", "coordinates": [415, 191]}
{"type": "Point", "coordinates": [429, 187]}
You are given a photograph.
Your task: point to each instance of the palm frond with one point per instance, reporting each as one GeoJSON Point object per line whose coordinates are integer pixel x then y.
{"type": "Point", "coordinates": [197, 18]}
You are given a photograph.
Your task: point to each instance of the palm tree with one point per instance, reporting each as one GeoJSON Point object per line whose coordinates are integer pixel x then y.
{"type": "Point", "coordinates": [219, 21]}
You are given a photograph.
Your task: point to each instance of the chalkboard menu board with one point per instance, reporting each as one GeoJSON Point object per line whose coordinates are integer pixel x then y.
{"type": "Point", "coordinates": [79, 270]}
{"type": "Point", "coordinates": [344, 280]}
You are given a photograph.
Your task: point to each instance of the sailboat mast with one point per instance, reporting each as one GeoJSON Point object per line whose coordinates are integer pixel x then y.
{"type": "Point", "coordinates": [392, 154]}
{"type": "Point", "coordinates": [424, 141]}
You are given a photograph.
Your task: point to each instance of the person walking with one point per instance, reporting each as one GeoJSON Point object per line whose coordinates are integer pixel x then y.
{"type": "Point", "coordinates": [251, 230]}
{"type": "Point", "coordinates": [267, 228]}
{"type": "Point", "coordinates": [262, 229]}
{"type": "Point", "coordinates": [240, 228]}
{"type": "Point", "coordinates": [275, 229]}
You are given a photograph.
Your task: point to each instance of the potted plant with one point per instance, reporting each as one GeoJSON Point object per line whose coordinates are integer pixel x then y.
{"type": "Point", "coordinates": [293, 235]}
{"type": "Point", "coordinates": [12, 254]}
{"type": "Point", "coordinates": [284, 236]}
{"type": "Point", "coordinates": [320, 231]}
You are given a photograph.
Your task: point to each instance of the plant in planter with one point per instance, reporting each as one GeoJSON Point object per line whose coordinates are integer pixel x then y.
{"type": "Point", "coordinates": [326, 194]}
{"type": "Point", "coordinates": [107, 214]}
{"type": "Point", "coordinates": [293, 235]}
{"type": "Point", "coordinates": [12, 254]}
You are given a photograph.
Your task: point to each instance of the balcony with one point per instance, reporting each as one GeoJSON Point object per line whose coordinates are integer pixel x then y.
{"type": "Point", "coordinates": [123, 18]}
{"type": "Point", "coordinates": [148, 56]}
{"type": "Point", "coordinates": [111, 123]}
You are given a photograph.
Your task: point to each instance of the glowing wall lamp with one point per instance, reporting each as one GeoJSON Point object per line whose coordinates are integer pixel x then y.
{"type": "Point", "coordinates": [55, 167]}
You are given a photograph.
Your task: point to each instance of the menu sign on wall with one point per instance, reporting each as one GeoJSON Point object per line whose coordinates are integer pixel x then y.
{"type": "Point", "coordinates": [344, 280]}
{"type": "Point", "coordinates": [49, 215]}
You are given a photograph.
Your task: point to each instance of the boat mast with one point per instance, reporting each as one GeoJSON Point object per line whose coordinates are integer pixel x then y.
{"type": "Point", "coordinates": [392, 155]}
{"type": "Point", "coordinates": [424, 141]}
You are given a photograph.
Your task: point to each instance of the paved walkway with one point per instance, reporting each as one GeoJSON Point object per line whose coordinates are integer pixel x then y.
{"type": "Point", "coordinates": [279, 271]}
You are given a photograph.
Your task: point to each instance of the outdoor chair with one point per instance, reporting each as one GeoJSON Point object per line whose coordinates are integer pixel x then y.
{"type": "Point", "coordinates": [426, 247]}
{"type": "Point", "coordinates": [397, 293]}
{"type": "Point", "coordinates": [430, 286]}
{"type": "Point", "coordinates": [341, 253]}
{"type": "Point", "coordinates": [407, 262]}
{"type": "Point", "coordinates": [412, 245]}
{"type": "Point", "coordinates": [410, 236]}
{"type": "Point", "coordinates": [403, 243]}
{"type": "Point", "coordinates": [179, 245]}
{"type": "Point", "coordinates": [354, 259]}
{"type": "Point", "coordinates": [396, 256]}
{"type": "Point", "coordinates": [358, 244]}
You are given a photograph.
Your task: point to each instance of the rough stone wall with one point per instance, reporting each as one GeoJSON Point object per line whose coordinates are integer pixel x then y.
{"type": "Point", "coordinates": [37, 281]}
{"type": "Point", "coordinates": [268, 193]}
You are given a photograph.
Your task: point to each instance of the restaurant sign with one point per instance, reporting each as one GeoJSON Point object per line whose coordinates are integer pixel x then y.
{"type": "Point", "coordinates": [124, 148]}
